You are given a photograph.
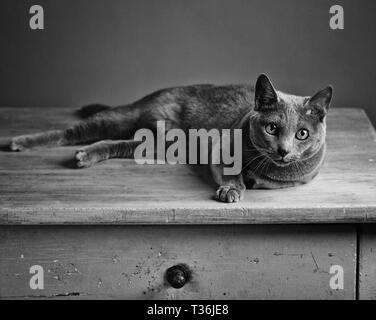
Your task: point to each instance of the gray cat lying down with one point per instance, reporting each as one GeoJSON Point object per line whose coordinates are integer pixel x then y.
{"type": "Point", "coordinates": [283, 135]}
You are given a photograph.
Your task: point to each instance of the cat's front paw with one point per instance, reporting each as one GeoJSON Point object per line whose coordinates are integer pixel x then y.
{"type": "Point", "coordinates": [83, 159]}
{"type": "Point", "coordinates": [18, 143]}
{"type": "Point", "coordinates": [229, 194]}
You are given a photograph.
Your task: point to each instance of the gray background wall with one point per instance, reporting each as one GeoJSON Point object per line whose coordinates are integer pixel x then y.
{"type": "Point", "coordinates": [115, 51]}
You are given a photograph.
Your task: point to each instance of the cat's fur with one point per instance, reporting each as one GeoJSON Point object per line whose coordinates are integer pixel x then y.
{"type": "Point", "coordinates": [255, 110]}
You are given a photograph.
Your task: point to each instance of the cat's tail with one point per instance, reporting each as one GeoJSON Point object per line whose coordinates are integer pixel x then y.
{"type": "Point", "coordinates": [91, 109]}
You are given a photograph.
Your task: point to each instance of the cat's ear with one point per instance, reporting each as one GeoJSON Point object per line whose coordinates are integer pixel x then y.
{"type": "Point", "coordinates": [319, 104]}
{"type": "Point", "coordinates": [265, 94]}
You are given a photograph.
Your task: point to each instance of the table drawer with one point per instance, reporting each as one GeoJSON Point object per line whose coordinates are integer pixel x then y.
{"type": "Point", "coordinates": [129, 262]}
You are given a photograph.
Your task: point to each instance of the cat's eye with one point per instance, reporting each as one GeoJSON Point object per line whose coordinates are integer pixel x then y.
{"type": "Point", "coordinates": [302, 134]}
{"type": "Point", "coordinates": [271, 128]}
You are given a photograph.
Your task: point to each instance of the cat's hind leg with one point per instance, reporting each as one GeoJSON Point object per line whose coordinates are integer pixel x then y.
{"type": "Point", "coordinates": [29, 141]}
{"type": "Point", "coordinates": [103, 150]}
{"type": "Point", "coordinates": [106, 125]}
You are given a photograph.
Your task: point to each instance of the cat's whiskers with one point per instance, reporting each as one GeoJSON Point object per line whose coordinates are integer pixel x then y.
{"type": "Point", "coordinates": [251, 149]}
{"type": "Point", "coordinates": [249, 167]}
{"type": "Point", "coordinates": [300, 165]}
{"type": "Point", "coordinates": [251, 161]}
{"type": "Point", "coordinates": [267, 168]}
{"type": "Point", "coordinates": [263, 166]}
{"type": "Point", "coordinates": [259, 165]}
{"type": "Point", "coordinates": [262, 169]}
{"type": "Point", "coordinates": [296, 168]}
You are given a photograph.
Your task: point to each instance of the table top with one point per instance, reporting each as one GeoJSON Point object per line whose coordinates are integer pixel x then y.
{"type": "Point", "coordinates": [43, 187]}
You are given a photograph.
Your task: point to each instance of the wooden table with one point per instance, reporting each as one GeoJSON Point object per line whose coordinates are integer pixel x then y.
{"type": "Point", "coordinates": [113, 230]}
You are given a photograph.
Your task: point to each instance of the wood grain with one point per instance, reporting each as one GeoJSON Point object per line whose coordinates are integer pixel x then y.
{"type": "Point", "coordinates": [129, 262]}
{"type": "Point", "coordinates": [367, 263]}
{"type": "Point", "coordinates": [42, 187]}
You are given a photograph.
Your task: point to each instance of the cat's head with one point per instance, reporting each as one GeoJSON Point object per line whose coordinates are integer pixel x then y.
{"type": "Point", "coordinates": [288, 128]}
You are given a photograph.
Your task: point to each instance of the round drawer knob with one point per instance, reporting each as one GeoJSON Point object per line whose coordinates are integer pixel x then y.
{"type": "Point", "coordinates": [177, 276]}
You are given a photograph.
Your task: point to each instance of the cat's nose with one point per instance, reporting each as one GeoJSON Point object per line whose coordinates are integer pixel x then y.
{"type": "Point", "coordinates": [283, 152]}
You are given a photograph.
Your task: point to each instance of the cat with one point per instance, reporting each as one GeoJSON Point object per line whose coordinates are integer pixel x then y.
{"type": "Point", "coordinates": [283, 135]}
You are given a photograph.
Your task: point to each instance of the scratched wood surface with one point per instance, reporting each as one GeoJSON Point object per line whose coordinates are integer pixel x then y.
{"type": "Point", "coordinates": [42, 187]}
{"type": "Point", "coordinates": [367, 263]}
{"type": "Point", "coordinates": [129, 262]}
